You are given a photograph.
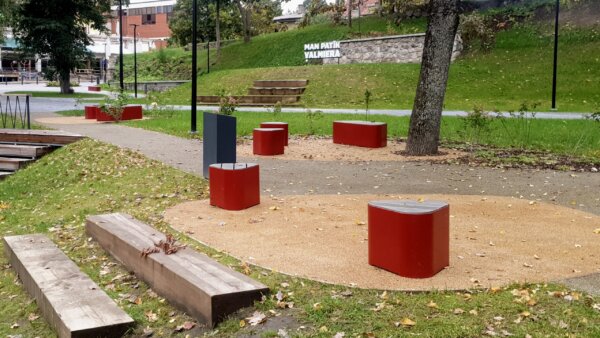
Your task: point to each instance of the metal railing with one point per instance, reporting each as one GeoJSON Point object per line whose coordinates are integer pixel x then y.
{"type": "Point", "coordinates": [14, 111]}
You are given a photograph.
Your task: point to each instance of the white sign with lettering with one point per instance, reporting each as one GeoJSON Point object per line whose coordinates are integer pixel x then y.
{"type": "Point", "coordinates": [322, 50]}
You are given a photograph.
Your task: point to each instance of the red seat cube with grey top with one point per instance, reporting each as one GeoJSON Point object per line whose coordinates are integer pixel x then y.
{"type": "Point", "coordinates": [360, 133]}
{"type": "Point", "coordinates": [268, 141]}
{"type": "Point", "coordinates": [234, 186]}
{"type": "Point", "coordinates": [281, 125]}
{"type": "Point", "coordinates": [409, 238]}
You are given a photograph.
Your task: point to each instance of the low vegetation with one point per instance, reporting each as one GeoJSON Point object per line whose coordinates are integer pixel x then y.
{"type": "Point", "coordinates": [54, 195]}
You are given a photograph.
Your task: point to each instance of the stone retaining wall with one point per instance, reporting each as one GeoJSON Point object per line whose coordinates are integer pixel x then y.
{"type": "Point", "coordinates": [387, 49]}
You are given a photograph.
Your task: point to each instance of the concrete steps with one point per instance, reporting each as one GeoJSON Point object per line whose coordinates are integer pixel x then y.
{"type": "Point", "coordinates": [69, 300]}
{"type": "Point", "coordinates": [5, 174]}
{"type": "Point", "coordinates": [189, 280]}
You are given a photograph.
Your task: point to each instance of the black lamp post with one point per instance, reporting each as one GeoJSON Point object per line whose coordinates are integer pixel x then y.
{"type": "Point", "coordinates": [121, 45]}
{"type": "Point", "coordinates": [135, 86]}
{"type": "Point", "coordinates": [554, 76]}
{"type": "Point", "coordinates": [193, 129]}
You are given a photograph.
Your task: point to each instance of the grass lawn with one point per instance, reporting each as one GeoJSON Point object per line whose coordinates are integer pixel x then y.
{"type": "Point", "coordinates": [57, 94]}
{"type": "Point", "coordinates": [569, 137]}
{"type": "Point", "coordinates": [518, 70]}
{"type": "Point", "coordinates": [54, 195]}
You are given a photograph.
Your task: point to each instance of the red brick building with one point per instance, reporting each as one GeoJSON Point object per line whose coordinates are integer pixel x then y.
{"type": "Point", "coordinates": [151, 16]}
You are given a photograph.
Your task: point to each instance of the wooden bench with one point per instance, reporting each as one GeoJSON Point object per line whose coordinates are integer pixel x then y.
{"type": "Point", "coordinates": [360, 133]}
{"type": "Point", "coordinates": [46, 137]}
{"type": "Point", "coordinates": [409, 238]}
{"type": "Point", "coordinates": [69, 300]}
{"type": "Point", "coordinates": [13, 164]}
{"type": "Point", "coordinates": [189, 280]}
{"type": "Point", "coordinates": [27, 151]}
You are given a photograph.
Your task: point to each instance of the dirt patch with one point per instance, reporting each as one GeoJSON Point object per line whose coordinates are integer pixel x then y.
{"type": "Point", "coordinates": [323, 149]}
{"type": "Point", "coordinates": [493, 240]}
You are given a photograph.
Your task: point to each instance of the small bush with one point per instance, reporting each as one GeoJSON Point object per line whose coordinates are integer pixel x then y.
{"type": "Point", "coordinates": [477, 32]}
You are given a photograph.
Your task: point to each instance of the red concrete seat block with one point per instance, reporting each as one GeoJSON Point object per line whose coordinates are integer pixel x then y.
{"type": "Point", "coordinates": [234, 186]}
{"type": "Point", "coordinates": [91, 112]}
{"type": "Point", "coordinates": [360, 133]}
{"type": "Point", "coordinates": [268, 141]}
{"type": "Point", "coordinates": [281, 125]}
{"type": "Point", "coordinates": [409, 238]}
{"type": "Point", "coordinates": [132, 112]}
{"type": "Point", "coordinates": [94, 89]}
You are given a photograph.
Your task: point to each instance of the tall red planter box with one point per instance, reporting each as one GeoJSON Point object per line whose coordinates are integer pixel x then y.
{"type": "Point", "coordinates": [409, 238]}
{"type": "Point", "coordinates": [130, 112]}
{"type": "Point", "coordinates": [268, 141]}
{"type": "Point", "coordinates": [94, 89]}
{"type": "Point", "coordinates": [234, 186]}
{"type": "Point", "coordinates": [281, 125]}
{"type": "Point", "coordinates": [91, 112]}
{"type": "Point", "coordinates": [360, 133]}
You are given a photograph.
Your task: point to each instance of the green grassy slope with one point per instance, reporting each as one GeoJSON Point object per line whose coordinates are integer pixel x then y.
{"type": "Point", "coordinates": [518, 70]}
{"type": "Point", "coordinates": [269, 50]}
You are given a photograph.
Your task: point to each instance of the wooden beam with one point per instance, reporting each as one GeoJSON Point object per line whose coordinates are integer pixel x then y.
{"type": "Point", "coordinates": [69, 300]}
{"type": "Point", "coordinates": [53, 137]}
{"type": "Point", "coordinates": [191, 281]}
{"type": "Point", "coordinates": [19, 150]}
{"type": "Point", "coordinates": [13, 164]}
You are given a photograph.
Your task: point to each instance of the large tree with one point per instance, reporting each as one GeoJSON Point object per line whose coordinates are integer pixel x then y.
{"type": "Point", "coordinates": [58, 29]}
{"type": "Point", "coordinates": [424, 131]}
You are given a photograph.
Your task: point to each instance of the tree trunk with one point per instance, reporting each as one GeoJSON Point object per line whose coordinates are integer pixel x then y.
{"type": "Point", "coordinates": [65, 82]}
{"type": "Point", "coordinates": [218, 29]}
{"type": "Point", "coordinates": [424, 131]}
{"type": "Point", "coordinates": [245, 12]}
{"type": "Point", "coordinates": [350, 13]}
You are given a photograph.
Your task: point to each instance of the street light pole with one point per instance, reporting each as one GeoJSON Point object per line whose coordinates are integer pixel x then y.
{"type": "Point", "coordinates": [121, 45]}
{"type": "Point", "coordinates": [194, 65]}
{"type": "Point", "coordinates": [554, 75]}
{"type": "Point", "coordinates": [135, 85]}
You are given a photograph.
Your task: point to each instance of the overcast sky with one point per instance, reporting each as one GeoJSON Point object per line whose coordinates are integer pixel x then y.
{"type": "Point", "coordinates": [292, 5]}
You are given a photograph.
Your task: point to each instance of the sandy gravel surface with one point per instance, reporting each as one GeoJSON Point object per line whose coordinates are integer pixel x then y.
{"type": "Point", "coordinates": [494, 240]}
{"type": "Point", "coordinates": [68, 120]}
{"type": "Point", "coordinates": [323, 149]}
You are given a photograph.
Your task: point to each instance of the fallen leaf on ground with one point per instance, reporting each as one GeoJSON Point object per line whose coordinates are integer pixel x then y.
{"type": "Point", "coordinates": [256, 318]}
{"type": "Point", "coordinates": [339, 335]}
{"type": "Point", "coordinates": [185, 327]}
{"type": "Point", "coordinates": [458, 311]}
{"type": "Point", "coordinates": [407, 322]}
{"type": "Point", "coordinates": [432, 305]}
{"type": "Point", "coordinates": [152, 317]}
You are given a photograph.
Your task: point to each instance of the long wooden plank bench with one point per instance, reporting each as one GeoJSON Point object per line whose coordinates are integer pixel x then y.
{"type": "Point", "coordinates": [19, 150]}
{"type": "Point", "coordinates": [191, 281]}
{"type": "Point", "coordinates": [52, 137]}
{"type": "Point", "coordinates": [13, 164]}
{"type": "Point", "coordinates": [69, 300]}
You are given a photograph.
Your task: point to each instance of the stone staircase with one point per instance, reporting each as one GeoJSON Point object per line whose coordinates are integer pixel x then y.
{"type": "Point", "coordinates": [18, 148]}
{"type": "Point", "coordinates": [266, 93]}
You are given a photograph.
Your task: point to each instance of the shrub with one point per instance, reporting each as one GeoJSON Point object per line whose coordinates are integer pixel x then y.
{"type": "Point", "coordinates": [477, 31]}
